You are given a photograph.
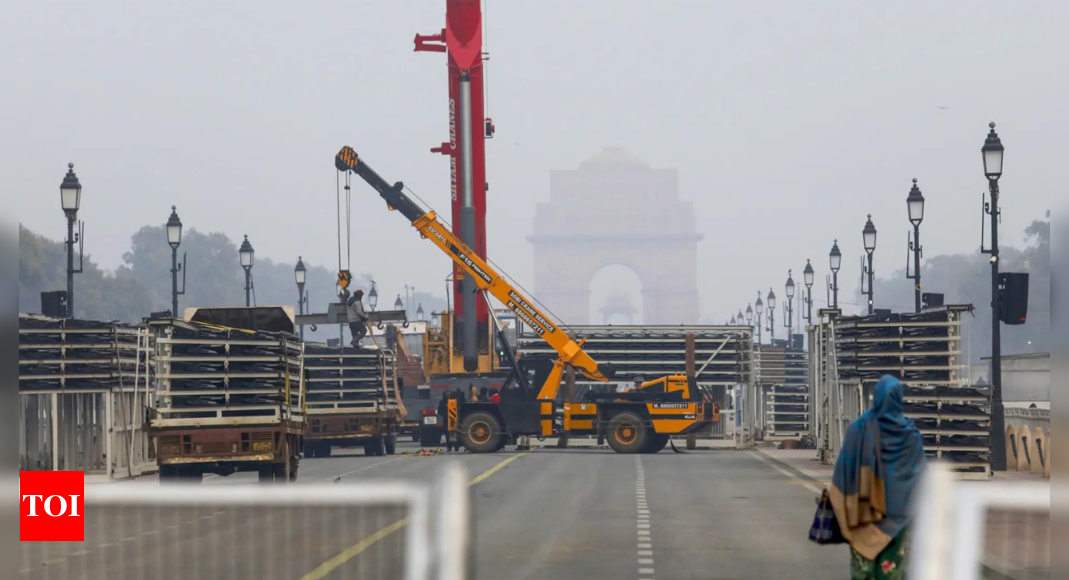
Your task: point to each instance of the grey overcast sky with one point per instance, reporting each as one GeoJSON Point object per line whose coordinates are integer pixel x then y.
{"type": "Point", "coordinates": [788, 121]}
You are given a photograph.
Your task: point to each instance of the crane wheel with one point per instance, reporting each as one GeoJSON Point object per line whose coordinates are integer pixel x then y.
{"type": "Point", "coordinates": [481, 433]}
{"type": "Point", "coordinates": [627, 433]}
{"type": "Point", "coordinates": [657, 444]}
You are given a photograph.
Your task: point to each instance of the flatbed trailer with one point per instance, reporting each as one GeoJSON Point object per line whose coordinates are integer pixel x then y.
{"type": "Point", "coordinates": [188, 453]}
{"type": "Point", "coordinates": [352, 401]}
{"type": "Point", "coordinates": [228, 400]}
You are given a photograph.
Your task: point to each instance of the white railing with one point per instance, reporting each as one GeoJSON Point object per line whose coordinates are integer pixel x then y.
{"type": "Point", "coordinates": [414, 531]}
{"type": "Point", "coordinates": [955, 529]}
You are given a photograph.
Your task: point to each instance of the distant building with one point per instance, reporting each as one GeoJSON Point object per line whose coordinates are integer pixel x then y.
{"type": "Point", "coordinates": [617, 210]}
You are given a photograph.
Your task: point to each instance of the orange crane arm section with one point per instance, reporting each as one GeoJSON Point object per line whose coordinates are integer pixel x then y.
{"type": "Point", "coordinates": [486, 278]}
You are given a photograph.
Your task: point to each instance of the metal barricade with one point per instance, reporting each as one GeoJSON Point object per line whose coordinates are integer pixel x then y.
{"type": "Point", "coordinates": [402, 530]}
{"type": "Point", "coordinates": [971, 530]}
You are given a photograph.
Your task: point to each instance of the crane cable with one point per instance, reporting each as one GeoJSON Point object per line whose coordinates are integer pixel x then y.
{"type": "Point", "coordinates": [337, 206]}
{"type": "Point", "coordinates": [348, 222]}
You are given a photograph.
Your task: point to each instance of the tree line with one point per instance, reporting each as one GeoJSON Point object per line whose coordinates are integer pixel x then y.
{"type": "Point", "coordinates": [142, 284]}
{"type": "Point", "coordinates": [966, 279]}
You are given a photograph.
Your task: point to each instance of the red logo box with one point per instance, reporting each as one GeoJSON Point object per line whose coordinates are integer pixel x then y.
{"type": "Point", "coordinates": [52, 506]}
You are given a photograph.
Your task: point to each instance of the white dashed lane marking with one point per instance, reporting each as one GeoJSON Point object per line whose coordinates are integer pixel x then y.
{"type": "Point", "coordinates": [645, 542]}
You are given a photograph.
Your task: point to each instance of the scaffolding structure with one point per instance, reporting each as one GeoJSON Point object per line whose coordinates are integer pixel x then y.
{"type": "Point", "coordinates": [84, 397]}
{"type": "Point", "coordinates": [784, 399]}
{"type": "Point", "coordinates": [929, 353]}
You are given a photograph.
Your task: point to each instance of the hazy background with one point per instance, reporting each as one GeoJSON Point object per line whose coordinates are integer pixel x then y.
{"type": "Point", "coordinates": [788, 121]}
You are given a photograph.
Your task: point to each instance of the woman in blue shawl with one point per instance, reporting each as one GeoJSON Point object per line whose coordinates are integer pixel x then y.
{"type": "Point", "coordinates": [881, 461]}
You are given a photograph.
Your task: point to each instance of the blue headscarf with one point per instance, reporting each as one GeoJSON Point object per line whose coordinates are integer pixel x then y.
{"type": "Point", "coordinates": [881, 461]}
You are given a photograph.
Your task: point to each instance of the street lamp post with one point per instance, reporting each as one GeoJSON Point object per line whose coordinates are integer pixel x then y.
{"type": "Point", "coordinates": [749, 315]}
{"type": "Point", "coordinates": [915, 202]}
{"type": "Point", "coordinates": [70, 197]}
{"type": "Point", "coordinates": [772, 317]}
{"type": "Point", "coordinates": [373, 297]}
{"type": "Point", "coordinates": [809, 277]}
{"type": "Point", "coordinates": [419, 313]}
{"type": "Point", "coordinates": [398, 304]}
{"type": "Point", "coordinates": [174, 239]}
{"type": "Point", "coordinates": [247, 254]}
{"type": "Point", "coordinates": [992, 152]}
{"type": "Point", "coordinates": [869, 235]}
{"type": "Point", "coordinates": [300, 275]}
{"type": "Point", "coordinates": [759, 309]}
{"type": "Point", "coordinates": [789, 312]}
{"type": "Point", "coordinates": [836, 261]}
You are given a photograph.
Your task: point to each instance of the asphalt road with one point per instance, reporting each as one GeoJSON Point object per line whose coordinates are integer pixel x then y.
{"type": "Point", "coordinates": [549, 514]}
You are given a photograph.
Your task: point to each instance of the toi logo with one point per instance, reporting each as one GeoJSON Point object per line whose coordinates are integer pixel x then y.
{"type": "Point", "coordinates": [51, 507]}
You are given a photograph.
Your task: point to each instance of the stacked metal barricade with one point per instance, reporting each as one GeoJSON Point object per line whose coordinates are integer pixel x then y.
{"type": "Point", "coordinates": [349, 380]}
{"type": "Point", "coordinates": [929, 353]}
{"type": "Point", "coordinates": [784, 386]}
{"type": "Point", "coordinates": [83, 388]}
{"type": "Point", "coordinates": [221, 376]}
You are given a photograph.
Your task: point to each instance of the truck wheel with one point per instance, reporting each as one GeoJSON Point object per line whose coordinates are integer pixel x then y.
{"type": "Point", "coordinates": [627, 433]}
{"type": "Point", "coordinates": [267, 475]}
{"type": "Point", "coordinates": [279, 472]}
{"type": "Point", "coordinates": [375, 448]}
{"type": "Point", "coordinates": [168, 475]}
{"type": "Point", "coordinates": [657, 443]}
{"type": "Point", "coordinates": [481, 433]}
{"type": "Point", "coordinates": [295, 464]}
{"type": "Point", "coordinates": [325, 449]}
{"type": "Point", "coordinates": [311, 449]}
{"type": "Point", "coordinates": [390, 444]}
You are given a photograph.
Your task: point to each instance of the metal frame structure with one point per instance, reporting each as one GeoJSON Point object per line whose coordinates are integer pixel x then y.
{"type": "Point", "coordinates": [785, 394]}
{"type": "Point", "coordinates": [854, 352]}
{"type": "Point", "coordinates": [82, 391]}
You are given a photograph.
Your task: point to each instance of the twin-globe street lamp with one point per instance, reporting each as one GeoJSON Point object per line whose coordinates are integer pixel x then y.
{"type": "Point", "coordinates": [789, 312]}
{"type": "Point", "coordinates": [992, 152]}
{"type": "Point", "coordinates": [300, 275]}
{"type": "Point", "coordinates": [772, 317]}
{"type": "Point", "coordinates": [809, 276]}
{"type": "Point", "coordinates": [835, 260]}
{"type": "Point", "coordinates": [869, 236]}
{"type": "Point", "coordinates": [759, 309]}
{"type": "Point", "coordinates": [70, 197]}
{"type": "Point", "coordinates": [247, 255]}
{"type": "Point", "coordinates": [174, 239]}
{"type": "Point", "coordinates": [915, 203]}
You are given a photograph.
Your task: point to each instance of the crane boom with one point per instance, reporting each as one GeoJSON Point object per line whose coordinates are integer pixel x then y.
{"type": "Point", "coordinates": [486, 278]}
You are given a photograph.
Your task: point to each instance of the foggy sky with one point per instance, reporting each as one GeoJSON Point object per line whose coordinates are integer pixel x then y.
{"type": "Point", "coordinates": [788, 121]}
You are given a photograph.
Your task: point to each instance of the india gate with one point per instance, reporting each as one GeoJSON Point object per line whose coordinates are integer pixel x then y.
{"type": "Point", "coordinates": [615, 210]}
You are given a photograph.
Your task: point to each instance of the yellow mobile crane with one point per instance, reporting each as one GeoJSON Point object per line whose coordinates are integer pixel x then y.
{"type": "Point", "coordinates": [641, 420]}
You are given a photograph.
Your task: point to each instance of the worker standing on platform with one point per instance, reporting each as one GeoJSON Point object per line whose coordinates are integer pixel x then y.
{"type": "Point", "coordinates": [358, 318]}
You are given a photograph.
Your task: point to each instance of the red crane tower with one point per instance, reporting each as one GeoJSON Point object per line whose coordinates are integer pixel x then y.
{"type": "Point", "coordinates": [462, 41]}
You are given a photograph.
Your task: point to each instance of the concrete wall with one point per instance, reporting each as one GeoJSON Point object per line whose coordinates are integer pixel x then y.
{"type": "Point", "coordinates": [1025, 379]}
